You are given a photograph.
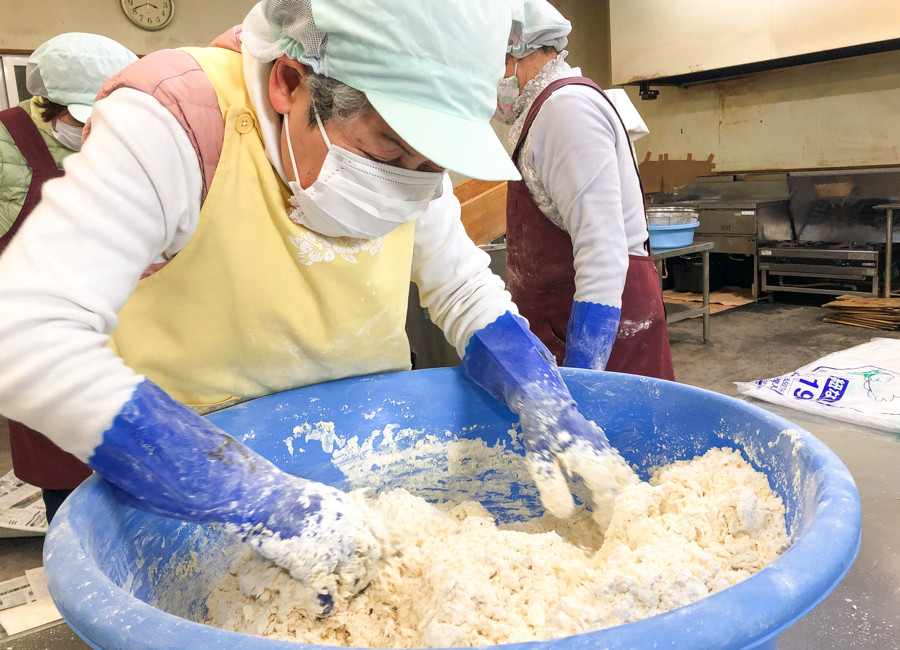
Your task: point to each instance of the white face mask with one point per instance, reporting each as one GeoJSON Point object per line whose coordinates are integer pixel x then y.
{"type": "Point", "coordinates": [68, 136]}
{"type": "Point", "coordinates": [357, 197]}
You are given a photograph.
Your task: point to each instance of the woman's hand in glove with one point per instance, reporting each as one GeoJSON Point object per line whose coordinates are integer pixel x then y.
{"type": "Point", "coordinates": [508, 361]}
{"type": "Point", "coordinates": [164, 458]}
{"type": "Point", "coordinates": [328, 541]}
{"type": "Point", "coordinates": [560, 442]}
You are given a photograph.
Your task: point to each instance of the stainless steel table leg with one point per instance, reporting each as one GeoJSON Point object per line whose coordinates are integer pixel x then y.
{"type": "Point", "coordinates": [755, 288]}
{"type": "Point", "coordinates": [705, 255]}
{"type": "Point", "coordinates": [888, 244]}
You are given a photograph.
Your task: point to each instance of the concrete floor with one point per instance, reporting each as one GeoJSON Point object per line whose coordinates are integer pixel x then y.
{"type": "Point", "coordinates": [755, 341]}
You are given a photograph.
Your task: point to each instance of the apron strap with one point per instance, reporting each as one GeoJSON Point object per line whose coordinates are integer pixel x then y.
{"type": "Point", "coordinates": [580, 81]}
{"type": "Point", "coordinates": [29, 141]}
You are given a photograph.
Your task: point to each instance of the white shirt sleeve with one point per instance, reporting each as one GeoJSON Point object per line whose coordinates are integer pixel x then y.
{"type": "Point", "coordinates": [129, 198]}
{"type": "Point", "coordinates": [455, 282]}
{"type": "Point", "coordinates": [583, 158]}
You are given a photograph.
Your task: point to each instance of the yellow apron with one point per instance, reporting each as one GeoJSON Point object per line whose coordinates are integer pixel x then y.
{"type": "Point", "coordinates": [254, 303]}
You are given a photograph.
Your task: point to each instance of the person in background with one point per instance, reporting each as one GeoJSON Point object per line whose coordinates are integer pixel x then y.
{"type": "Point", "coordinates": [578, 256]}
{"type": "Point", "coordinates": [63, 76]}
{"type": "Point", "coordinates": [285, 184]}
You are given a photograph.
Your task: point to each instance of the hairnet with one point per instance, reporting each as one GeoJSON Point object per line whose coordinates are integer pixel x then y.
{"type": "Point", "coordinates": [536, 24]}
{"type": "Point", "coordinates": [69, 69]}
{"type": "Point", "coordinates": [430, 68]}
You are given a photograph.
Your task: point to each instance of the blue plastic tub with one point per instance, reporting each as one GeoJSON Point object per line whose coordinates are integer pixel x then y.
{"type": "Point", "coordinates": [110, 566]}
{"type": "Point", "coordinates": [664, 238]}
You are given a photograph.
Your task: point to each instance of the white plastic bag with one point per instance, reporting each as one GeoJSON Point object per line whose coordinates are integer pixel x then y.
{"type": "Point", "coordinates": [860, 385]}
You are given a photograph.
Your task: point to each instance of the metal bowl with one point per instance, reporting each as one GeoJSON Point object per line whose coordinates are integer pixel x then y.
{"type": "Point", "coordinates": [672, 216]}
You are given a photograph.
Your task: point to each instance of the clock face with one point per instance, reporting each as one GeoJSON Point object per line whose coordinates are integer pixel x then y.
{"type": "Point", "coordinates": [152, 15]}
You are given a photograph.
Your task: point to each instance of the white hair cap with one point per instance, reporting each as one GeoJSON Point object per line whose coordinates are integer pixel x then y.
{"type": "Point", "coordinates": [279, 27]}
{"type": "Point", "coordinates": [536, 24]}
{"type": "Point", "coordinates": [69, 69]}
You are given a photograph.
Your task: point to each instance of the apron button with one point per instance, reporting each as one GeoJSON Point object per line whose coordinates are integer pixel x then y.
{"type": "Point", "coordinates": [244, 123]}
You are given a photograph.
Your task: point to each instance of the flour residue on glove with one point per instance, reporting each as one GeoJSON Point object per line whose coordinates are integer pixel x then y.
{"type": "Point", "coordinates": [333, 558]}
{"type": "Point", "coordinates": [459, 579]}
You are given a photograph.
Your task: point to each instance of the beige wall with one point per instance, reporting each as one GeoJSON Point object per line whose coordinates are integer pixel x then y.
{"type": "Point", "coordinates": [24, 25]}
{"type": "Point", "coordinates": [694, 35]}
{"type": "Point", "coordinates": [836, 114]}
{"type": "Point", "coordinates": [843, 113]}
{"type": "Point", "coordinates": [589, 41]}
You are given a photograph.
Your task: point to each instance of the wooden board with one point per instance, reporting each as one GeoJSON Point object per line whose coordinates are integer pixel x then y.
{"type": "Point", "coordinates": [873, 313]}
{"type": "Point", "coordinates": [483, 206]}
{"type": "Point", "coordinates": [719, 301]}
{"type": "Point", "coordinates": [875, 325]}
{"type": "Point", "coordinates": [863, 302]}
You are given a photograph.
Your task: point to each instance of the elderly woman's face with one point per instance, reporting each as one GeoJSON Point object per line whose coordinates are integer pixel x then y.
{"type": "Point", "coordinates": [510, 65]}
{"type": "Point", "coordinates": [369, 136]}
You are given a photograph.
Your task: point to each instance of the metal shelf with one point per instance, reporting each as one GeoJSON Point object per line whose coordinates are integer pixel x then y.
{"type": "Point", "coordinates": [676, 312]}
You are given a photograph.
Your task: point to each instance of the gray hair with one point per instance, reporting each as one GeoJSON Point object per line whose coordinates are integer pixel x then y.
{"type": "Point", "coordinates": [334, 100]}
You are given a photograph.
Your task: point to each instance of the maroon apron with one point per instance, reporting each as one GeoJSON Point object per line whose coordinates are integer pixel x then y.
{"type": "Point", "coordinates": [540, 271]}
{"type": "Point", "coordinates": [36, 460]}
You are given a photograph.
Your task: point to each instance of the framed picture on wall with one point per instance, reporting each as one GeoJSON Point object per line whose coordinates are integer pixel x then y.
{"type": "Point", "coordinates": [13, 89]}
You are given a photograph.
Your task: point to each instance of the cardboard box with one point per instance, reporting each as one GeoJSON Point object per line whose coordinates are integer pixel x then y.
{"type": "Point", "coordinates": [665, 174]}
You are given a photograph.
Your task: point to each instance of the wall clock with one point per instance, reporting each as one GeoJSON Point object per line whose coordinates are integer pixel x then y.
{"type": "Point", "coordinates": [151, 16]}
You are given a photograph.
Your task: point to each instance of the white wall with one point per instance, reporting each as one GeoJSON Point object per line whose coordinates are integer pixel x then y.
{"type": "Point", "coordinates": [24, 25]}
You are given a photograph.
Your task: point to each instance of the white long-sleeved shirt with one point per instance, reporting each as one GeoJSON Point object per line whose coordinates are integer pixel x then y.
{"type": "Point", "coordinates": [578, 164]}
{"type": "Point", "coordinates": [130, 198]}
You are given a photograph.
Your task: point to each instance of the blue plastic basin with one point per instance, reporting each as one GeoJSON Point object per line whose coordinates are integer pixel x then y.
{"type": "Point", "coordinates": [109, 566]}
{"type": "Point", "coordinates": [664, 238]}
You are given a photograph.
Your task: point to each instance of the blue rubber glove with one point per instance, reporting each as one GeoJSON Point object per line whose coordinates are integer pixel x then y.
{"type": "Point", "coordinates": [164, 458]}
{"type": "Point", "coordinates": [591, 334]}
{"type": "Point", "coordinates": [508, 361]}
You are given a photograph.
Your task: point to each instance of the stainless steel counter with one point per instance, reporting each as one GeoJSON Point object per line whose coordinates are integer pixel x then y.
{"type": "Point", "coordinates": [863, 612]}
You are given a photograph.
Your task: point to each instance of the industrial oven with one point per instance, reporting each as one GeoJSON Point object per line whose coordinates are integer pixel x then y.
{"type": "Point", "coordinates": [834, 268]}
{"type": "Point", "coordinates": [806, 232]}
{"type": "Point", "coordinates": [736, 212]}
{"type": "Point", "coordinates": [837, 242]}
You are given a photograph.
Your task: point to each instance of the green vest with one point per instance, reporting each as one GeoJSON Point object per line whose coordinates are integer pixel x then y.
{"type": "Point", "coordinates": [15, 173]}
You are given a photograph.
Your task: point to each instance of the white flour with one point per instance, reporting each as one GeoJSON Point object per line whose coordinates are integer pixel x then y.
{"type": "Point", "coordinates": [459, 579]}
